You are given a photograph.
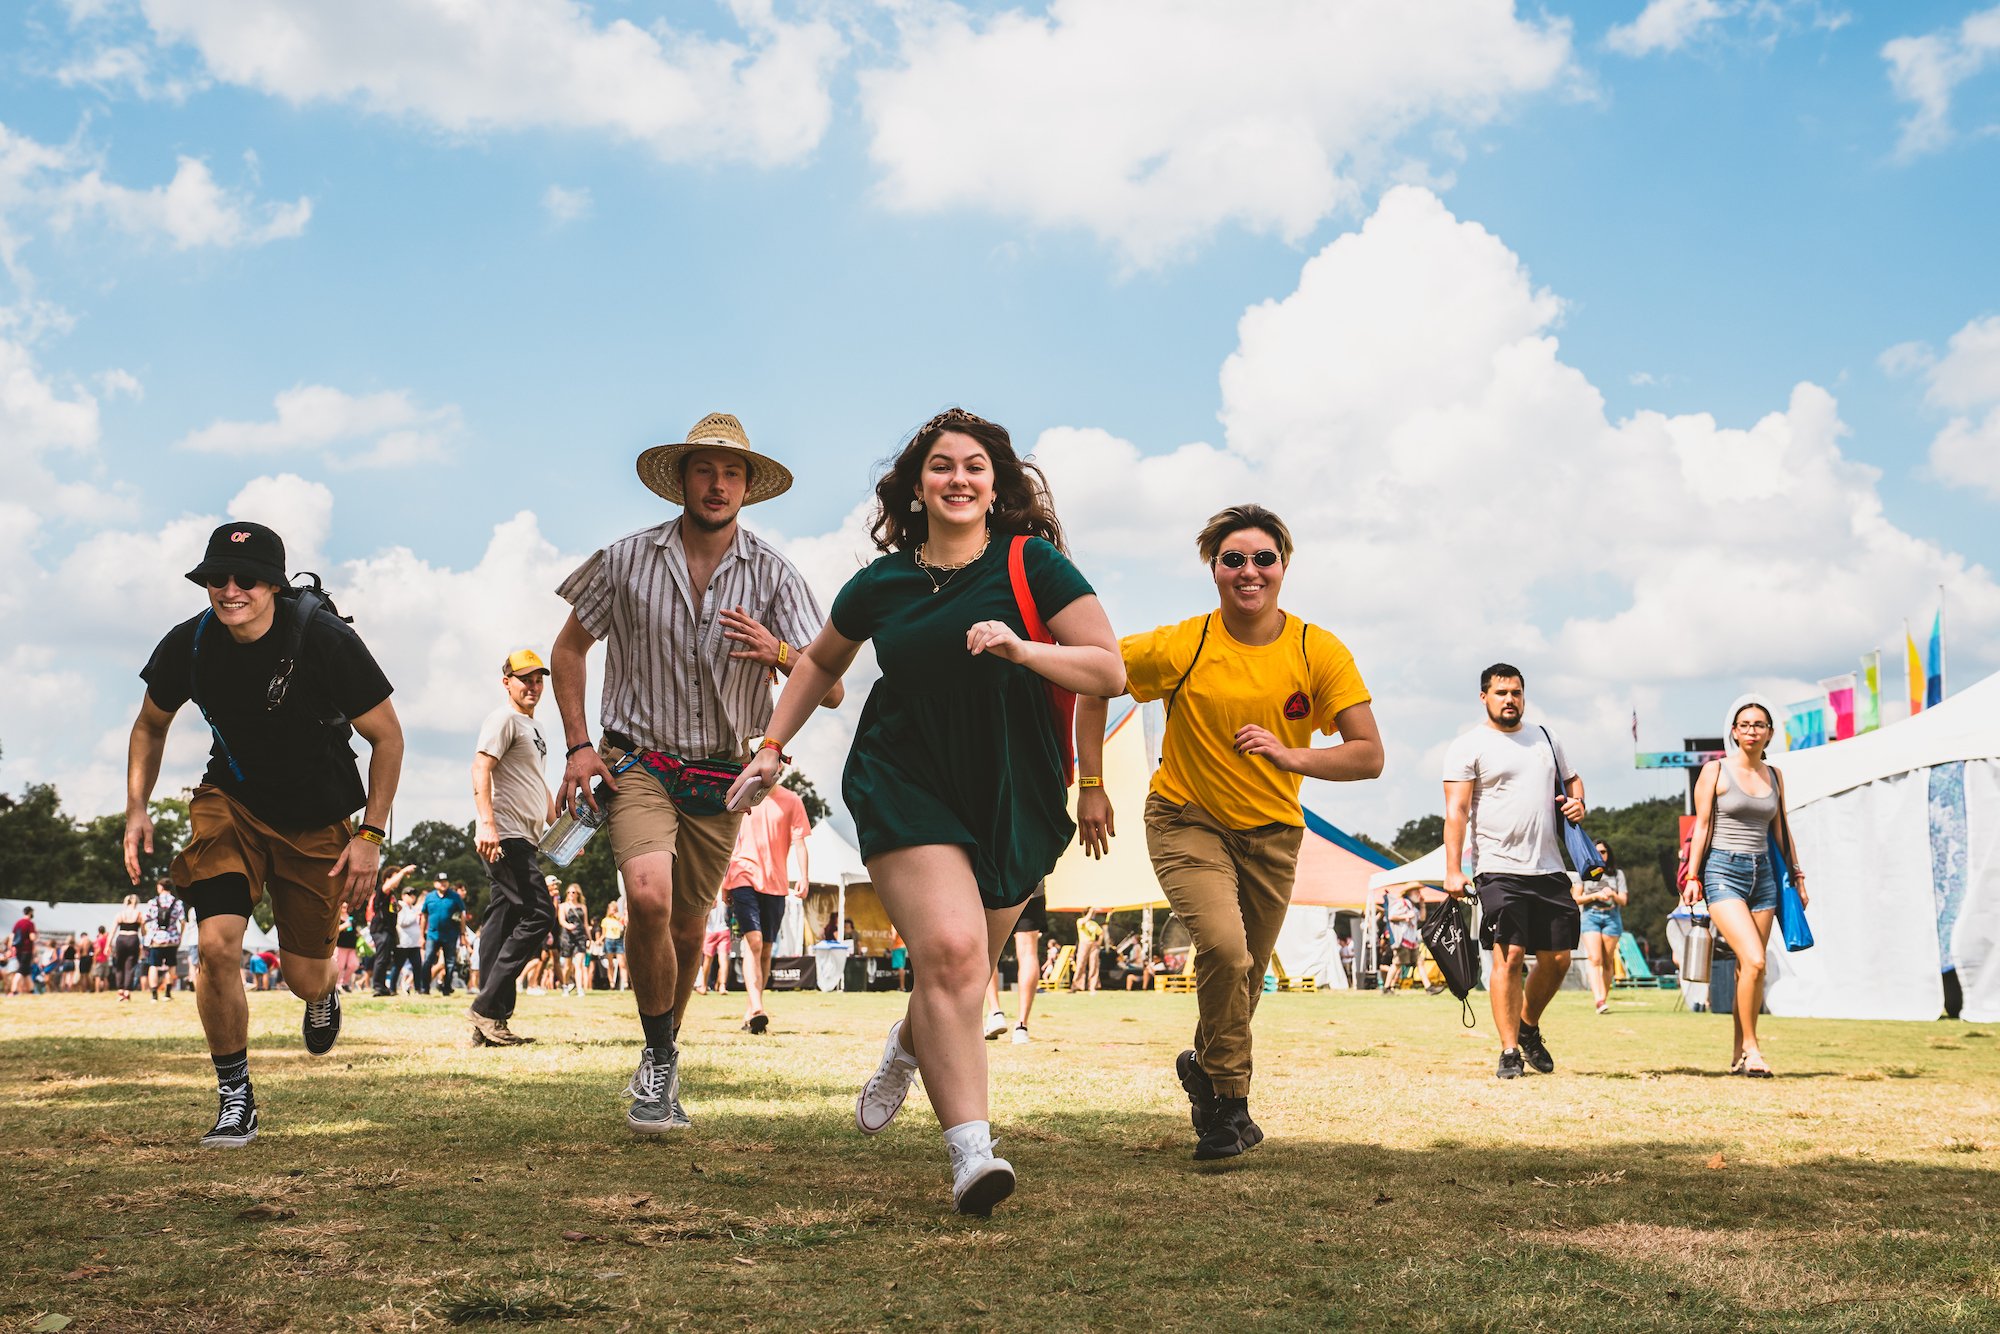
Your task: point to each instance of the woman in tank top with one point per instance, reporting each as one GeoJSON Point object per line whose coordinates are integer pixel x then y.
{"type": "Point", "coordinates": [1736, 801]}
{"type": "Point", "coordinates": [125, 946]}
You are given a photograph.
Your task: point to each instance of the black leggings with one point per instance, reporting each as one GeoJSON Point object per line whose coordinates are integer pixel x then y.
{"type": "Point", "coordinates": [125, 960]}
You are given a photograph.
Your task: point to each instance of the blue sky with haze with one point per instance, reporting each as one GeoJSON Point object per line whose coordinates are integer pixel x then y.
{"type": "Point", "coordinates": [1536, 276]}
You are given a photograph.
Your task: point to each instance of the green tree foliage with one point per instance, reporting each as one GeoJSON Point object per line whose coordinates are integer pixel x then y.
{"type": "Point", "coordinates": [1418, 837]}
{"type": "Point", "coordinates": [1644, 838]}
{"type": "Point", "coordinates": [815, 804]}
{"type": "Point", "coordinates": [433, 846]}
{"type": "Point", "coordinates": [41, 852]}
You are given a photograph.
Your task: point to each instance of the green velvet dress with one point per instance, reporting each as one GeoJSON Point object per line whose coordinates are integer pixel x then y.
{"type": "Point", "coordinates": [953, 748]}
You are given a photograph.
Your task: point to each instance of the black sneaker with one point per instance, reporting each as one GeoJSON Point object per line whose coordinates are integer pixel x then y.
{"type": "Point", "coordinates": [322, 1023]}
{"type": "Point", "coordinates": [1230, 1132]}
{"type": "Point", "coordinates": [1536, 1051]}
{"type": "Point", "coordinates": [1200, 1091]}
{"type": "Point", "coordinates": [235, 1121]}
{"type": "Point", "coordinates": [1510, 1064]}
{"type": "Point", "coordinates": [759, 1023]}
{"type": "Point", "coordinates": [657, 1086]}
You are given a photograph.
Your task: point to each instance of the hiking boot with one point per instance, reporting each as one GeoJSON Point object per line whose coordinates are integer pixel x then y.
{"type": "Point", "coordinates": [322, 1023]}
{"type": "Point", "coordinates": [491, 1032]}
{"type": "Point", "coordinates": [882, 1096]}
{"type": "Point", "coordinates": [978, 1179]}
{"type": "Point", "coordinates": [1230, 1131]}
{"type": "Point", "coordinates": [507, 1032]}
{"type": "Point", "coordinates": [657, 1104]}
{"type": "Point", "coordinates": [1200, 1092]}
{"type": "Point", "coordinates": [1510, 1064]}
{"type": "Point", "coordinates": [235, 1120]}
{"type": "Point", "coordinates": [1535, 1051]}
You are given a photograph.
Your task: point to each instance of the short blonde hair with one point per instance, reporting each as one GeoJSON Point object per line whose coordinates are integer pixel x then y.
{"type": "Point", "coordinates": [1234, 520]}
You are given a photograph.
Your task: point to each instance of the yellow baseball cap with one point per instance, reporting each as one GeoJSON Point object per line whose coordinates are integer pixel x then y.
{"type": "Point", "coordinates": [523, 661]}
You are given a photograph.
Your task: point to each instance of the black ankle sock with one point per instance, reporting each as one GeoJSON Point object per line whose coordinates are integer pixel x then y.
{"type": "Point", "coordinates": [659, 1029]}
{"type": "Point", "coordinates": [233, 1070]}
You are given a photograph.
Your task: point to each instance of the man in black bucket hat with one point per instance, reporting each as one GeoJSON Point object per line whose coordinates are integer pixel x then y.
{"type": "Point", "coordinates": [283, 683]}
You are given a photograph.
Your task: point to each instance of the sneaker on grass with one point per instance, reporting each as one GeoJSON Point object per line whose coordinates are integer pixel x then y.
{"type": "Point", "coordinates": [322, 1023]}
{"type": "Point", "coordinates": [1200, 1092]}
{"type": "Point", "coordinates": [996, 1024]}
{"type": "Point", "coordinates": [1230, 1132]}
{"type": "Point", "coordinates": [235, 1120]}
{"type": "Point", "coordinates": [657, 1104]}
{"type": "Point", "coordinates": [882, 1096]}
{"type": "Point", "coordinates": [1021, 1035]}
{"type": "Point", "coordinates": [978, 1179]}
{"type": "Point", "coordinates": [1535, 1051]}
{"type": "Point", "coordinates": [1510, 1064]}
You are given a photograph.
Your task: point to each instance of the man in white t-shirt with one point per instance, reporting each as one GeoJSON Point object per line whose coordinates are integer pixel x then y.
{"type": "Point", "coordinates": [1500, 779]}
{"type": "Point", "coordinates": [514, 805]}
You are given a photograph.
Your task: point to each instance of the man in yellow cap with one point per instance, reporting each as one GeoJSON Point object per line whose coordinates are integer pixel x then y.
{"type": "Point", "coordinates": [699, 617]}
{"type": "Point", "coordinates": [514, 806]}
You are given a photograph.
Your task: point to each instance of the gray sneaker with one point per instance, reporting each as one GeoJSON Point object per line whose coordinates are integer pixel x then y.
{"type": "Point", "coordinates": [656, 1088]}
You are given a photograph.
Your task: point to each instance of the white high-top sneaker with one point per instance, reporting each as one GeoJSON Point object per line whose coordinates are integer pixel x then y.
{"type": "Point", "coordinates": [978, 1179]}
{"type": "Point", "coordinates": [882, 1096]}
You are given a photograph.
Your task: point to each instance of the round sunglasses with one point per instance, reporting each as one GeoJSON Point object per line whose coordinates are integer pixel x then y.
{"type": "Point", "coordinates": [1236, 560]}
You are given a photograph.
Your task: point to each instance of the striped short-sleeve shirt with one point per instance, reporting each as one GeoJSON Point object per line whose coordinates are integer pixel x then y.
{"type": "Point", "coordinates": [669, 682]}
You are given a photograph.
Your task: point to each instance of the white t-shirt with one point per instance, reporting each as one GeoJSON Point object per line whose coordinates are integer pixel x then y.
{"type": "Point", "coordinates": [1513, 826]}
{"type": "Point", "coordinates": [520, 792]}
{"type": "Point", "coordinates": [410, 927]}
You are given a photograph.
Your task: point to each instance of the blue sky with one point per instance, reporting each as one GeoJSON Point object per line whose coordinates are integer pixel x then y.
{"type": "Point", "coordinates": [1703, 203]}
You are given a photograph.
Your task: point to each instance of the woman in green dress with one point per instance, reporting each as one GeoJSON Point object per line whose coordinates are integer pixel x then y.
{"type": "Point", "coordinates": [957, 772]}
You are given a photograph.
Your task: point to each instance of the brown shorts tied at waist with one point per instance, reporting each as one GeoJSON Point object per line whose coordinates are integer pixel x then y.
{"type": "Point", "coordinates": [306, 898]}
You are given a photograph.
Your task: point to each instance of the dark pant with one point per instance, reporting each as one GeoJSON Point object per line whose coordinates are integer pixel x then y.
{"type": "Point", "coordinates": [385, 956]}
{"type": "Point", "coordinates": [445, 943]}
{"type": "Point", "coordinates": [125, 961]}
{"type": "Point", "coordinates": [414, 957]}
{"type": "Point", "coordinates": [519, 921]}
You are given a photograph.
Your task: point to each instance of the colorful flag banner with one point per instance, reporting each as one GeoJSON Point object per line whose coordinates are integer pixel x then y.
{"type": "Point", "coordinates": [1840, 704]}
{"type": "Point", "coordinates": [1805, 724]}
{"type": "Point", "coordinates": [1868, 701]}
{"type": "Point", "coordinates": [1934, 675]}
{"type": "Point", "coordinates": [1674, 759]}
{"type": "Point", "coordinates": [1913, 672]}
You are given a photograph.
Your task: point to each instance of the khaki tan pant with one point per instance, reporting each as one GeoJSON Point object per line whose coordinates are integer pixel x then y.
{"type": "Point", "coordinates": [1230, 888]}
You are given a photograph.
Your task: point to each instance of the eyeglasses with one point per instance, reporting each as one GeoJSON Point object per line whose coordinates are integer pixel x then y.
{"type": "Point", "coordinates": [1754, 727]}
{"type": "Point", "coordinates": [1236, 560]}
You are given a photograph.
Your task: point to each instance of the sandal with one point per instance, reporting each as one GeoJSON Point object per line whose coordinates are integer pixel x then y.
{"type": "Point", "coordinates": [1755, 1068]}
{"type": "Point", "coordinates": [1736, 1066]}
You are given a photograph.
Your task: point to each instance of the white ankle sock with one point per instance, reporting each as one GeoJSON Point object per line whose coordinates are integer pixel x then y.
{"type": "Point", "coordinates": [971, 1137]}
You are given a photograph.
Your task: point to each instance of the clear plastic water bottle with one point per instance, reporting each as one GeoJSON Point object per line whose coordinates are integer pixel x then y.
{"type": "Point", "coordinates": [568, 835]}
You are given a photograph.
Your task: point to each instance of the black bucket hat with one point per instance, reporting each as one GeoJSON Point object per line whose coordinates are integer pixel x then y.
{"type": "Point", "coordinates": [246, 550]}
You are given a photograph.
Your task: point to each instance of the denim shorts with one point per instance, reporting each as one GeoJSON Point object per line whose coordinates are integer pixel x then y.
{"type": "Point", "coordinates": [1604, 921]}
{"type": "Point", "coordinates": [1745, 876]}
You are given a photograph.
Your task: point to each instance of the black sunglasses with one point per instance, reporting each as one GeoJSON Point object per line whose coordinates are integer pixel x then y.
{"type": "Point", "coordinates": [1236, 560]}
{"type": "Point", "coordinates": [222, 581]}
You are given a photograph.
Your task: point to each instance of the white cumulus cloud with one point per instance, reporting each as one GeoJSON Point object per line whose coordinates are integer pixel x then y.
{"type": "Point", "coordinates": [315, 417]}
{"type": "Point", "coordinates": [1666, 25]}
{"type": "Point", "coordinates": [1152, 123]}
{"type": "Point", "coordinates": [1964, 382]}
{"type": "Point", "coordinates": [521, 64]}
{"type": "Point", "coordinates": [565, 204]}
{"type": "Point", "coordinates": [1926, 72]}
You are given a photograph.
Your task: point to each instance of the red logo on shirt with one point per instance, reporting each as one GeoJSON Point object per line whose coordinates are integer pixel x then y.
{"type": "Point", "coordinates": [1298, 706]}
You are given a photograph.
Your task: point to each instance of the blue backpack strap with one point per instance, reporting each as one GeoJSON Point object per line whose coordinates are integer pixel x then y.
{"type": "Point", "coordinates": [194, 693]}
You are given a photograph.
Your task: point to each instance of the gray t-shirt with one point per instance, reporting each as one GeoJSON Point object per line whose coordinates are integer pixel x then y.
{"type": "Point", "coordinates": [1514, 820]}
{"type": "Point", "coordinates": [520, 794]}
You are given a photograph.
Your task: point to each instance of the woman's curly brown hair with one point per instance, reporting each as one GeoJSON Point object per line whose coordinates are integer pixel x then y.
{"type": "Point", "coordinates": [1020, 491]}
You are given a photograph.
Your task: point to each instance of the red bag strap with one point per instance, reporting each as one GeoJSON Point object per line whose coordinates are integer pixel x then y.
{"type": "Point", "coordinates": [1024, 597]}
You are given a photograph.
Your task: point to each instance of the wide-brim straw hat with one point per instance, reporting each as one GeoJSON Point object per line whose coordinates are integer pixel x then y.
{"type": "Point", "coordinates": [660, 466]}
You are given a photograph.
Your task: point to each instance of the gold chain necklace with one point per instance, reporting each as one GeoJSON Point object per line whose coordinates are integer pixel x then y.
{"type": "Point", "coordinates": [951, 571]}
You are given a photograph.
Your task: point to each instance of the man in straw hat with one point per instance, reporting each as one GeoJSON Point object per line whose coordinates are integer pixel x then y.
{"type": "Point", "coordinates": [700, 616]}
{"type": "Point", "coordinates": [283, 683]}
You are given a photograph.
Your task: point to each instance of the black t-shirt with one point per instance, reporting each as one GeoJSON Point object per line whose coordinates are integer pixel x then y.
{"type": "Point", "coordinates": [297, 772]}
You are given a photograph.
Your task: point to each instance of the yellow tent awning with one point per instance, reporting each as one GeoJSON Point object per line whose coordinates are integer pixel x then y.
{"type": "Point", "coordinates": [1124, 878]}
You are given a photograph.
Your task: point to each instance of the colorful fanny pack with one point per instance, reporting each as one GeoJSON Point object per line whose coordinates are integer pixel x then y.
{"type": "Point", "coordinates": [696, 787]}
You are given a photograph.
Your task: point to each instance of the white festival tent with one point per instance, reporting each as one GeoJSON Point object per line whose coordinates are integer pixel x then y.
{"type": "Point", "coordinates": [1899, 831]}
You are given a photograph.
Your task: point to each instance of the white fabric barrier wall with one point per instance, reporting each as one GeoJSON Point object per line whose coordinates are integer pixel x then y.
{"type": "Point", "coordinates": [1308, 947]}
{"type": "Point", "coordinates": [1975, 943]}
{"type": "Point", "coordinates": [1868, 859]}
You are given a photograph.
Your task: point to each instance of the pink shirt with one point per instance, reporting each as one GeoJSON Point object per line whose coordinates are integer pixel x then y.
{"type": "Point", "coordinates": [773, 827]}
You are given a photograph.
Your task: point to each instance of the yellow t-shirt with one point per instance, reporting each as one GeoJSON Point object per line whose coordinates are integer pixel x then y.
{"type": "Point", "coordinates": [1293, 686]}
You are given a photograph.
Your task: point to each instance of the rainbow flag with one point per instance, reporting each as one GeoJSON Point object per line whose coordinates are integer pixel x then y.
{"type": "Point", "coordinates": [1913, 670]}
{"type": "Point", "coordinates": [1934, 677]}
{"type": "Point", "coordinates": [1868, 702]}
{"type": "Point", "coordinates": [1840, 704]}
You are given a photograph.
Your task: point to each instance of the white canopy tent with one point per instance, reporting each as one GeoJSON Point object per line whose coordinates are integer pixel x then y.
{"type": "Point", "coordinates": [1899, 831]}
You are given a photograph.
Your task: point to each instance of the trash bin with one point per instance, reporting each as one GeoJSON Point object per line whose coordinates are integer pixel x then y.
{"type": "Point", "coordinates": [1722, 984]}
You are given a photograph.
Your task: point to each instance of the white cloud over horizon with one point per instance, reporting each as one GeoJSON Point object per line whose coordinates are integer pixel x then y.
{"type": "Point", "coordinates": [1151, 125]}
{"type": "Point", "coordinates": [1964, 382]}
{"type": "Point", "coordinates": [313, 418]}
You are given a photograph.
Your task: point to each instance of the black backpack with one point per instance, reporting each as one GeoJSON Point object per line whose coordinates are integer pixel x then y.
{"type": "Point", "coordinates": [298, 606]}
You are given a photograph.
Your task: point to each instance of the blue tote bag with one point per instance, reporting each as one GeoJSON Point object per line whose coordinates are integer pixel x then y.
{"type": "Point", "coordinates": [1581, 847]}
{"type": "Point", "coordinates": [1791, 908]}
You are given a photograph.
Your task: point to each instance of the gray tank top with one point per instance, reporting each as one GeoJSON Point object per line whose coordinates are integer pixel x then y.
{"type": "Point", "coordinates": [1742, 822]}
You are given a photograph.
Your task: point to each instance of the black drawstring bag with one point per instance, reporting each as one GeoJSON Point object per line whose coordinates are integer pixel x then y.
{"type": "Point", "coordinates": [1447, 935]}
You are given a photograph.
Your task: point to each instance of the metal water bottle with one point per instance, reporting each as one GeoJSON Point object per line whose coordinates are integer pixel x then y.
{"type": "Point", "coordinates": [1698, 951]}
{"type": "Point", "coordinates": [567, 836]}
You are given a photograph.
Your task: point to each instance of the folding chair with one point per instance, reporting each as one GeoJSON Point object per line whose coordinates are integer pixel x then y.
{"type": "Point", "coordinates": [1058, 976]}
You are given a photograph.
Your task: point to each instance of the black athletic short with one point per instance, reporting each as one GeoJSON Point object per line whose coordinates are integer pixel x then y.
{"type": "Point", "coordinates": [1034, 915]}
{"type": "Point", "coordinates": [753, 910]}
{"type": "Point", "coordinates": [1535, 912]}
{"type": "Point", "coordinates": [161, 956]}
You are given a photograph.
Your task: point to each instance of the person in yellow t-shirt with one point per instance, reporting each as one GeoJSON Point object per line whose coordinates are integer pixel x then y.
{"type": "Point", "coordinates": [1246, 686]}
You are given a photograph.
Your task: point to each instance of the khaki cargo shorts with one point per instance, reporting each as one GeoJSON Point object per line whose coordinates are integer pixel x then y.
{"type": "Point", "coordinates": [306, 899]}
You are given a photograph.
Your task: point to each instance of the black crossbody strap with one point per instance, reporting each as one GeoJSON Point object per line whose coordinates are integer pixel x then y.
{"type": "Point", "coordinates": [1199, 646]}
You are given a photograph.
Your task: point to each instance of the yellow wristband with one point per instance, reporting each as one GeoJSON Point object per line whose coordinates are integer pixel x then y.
{"type": "Point", "coordinates": [368, 835]}
{"type": "Point", "coordinates": [1090, 782]}
{"type": "Point", "coordinates": [784, 652]}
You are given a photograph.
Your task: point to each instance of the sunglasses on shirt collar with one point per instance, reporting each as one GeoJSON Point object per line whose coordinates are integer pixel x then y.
{"type": "Point", "coordinates": [1236, 560]}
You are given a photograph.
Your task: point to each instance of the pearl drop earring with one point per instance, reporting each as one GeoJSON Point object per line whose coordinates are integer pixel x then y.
{"type": "Point", "coordinates": [916, 507]}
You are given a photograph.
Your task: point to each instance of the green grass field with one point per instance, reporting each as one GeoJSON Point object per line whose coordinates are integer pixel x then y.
{"type": "Point", "coordinates": [408, 1182]}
